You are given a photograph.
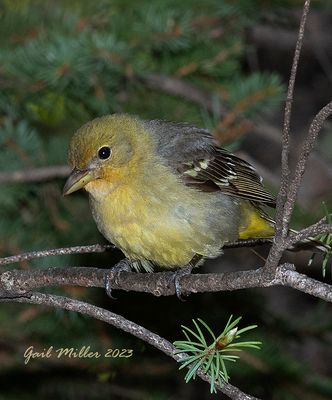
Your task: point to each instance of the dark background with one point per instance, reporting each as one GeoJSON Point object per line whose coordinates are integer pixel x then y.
{"type": "Point", "coordinates": [63, 63]}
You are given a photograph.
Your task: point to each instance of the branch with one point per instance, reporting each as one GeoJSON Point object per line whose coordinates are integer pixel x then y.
{"type": "Point", "coordinates": [35, 174]}
{"type": "Point", "coordinates": [281, 39]}
{"type": "Point", "coordinates": [287, 276]}
{"type": "Point", "coordinates": [100, 248]}
{"type": "Point", "coordinates": [93, 248]}
{"type": "Point", "coordinates": [281, 219]}
{"type": "Point", "coordinates": [314, 230]}
{"type": "Point", "coordinates": [128, 326]}
{"type": "Point", "coordinates": [179, 87]}
{"type": "Point", "coordinates": [307, 147]}
{"type": "Point", "coordinates": [19, 282]}
{"type": "Point", "coordinates": [289, 187]}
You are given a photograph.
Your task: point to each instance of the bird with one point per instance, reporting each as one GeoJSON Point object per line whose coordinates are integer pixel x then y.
{"type": "Point", "coordinates": [164, 192]}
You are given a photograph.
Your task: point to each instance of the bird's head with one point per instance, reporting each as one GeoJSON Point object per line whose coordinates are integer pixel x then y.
{"type": "Point", "coordinates": [103, 150]}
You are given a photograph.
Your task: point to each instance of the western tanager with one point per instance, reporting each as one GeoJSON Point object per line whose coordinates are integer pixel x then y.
{"type": "Point", "coordinates": [164, 192]}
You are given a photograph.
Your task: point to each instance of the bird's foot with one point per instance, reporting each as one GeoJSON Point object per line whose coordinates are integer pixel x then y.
{"type": "Point", "coordinates": [177, 277]}
{"type": "Point", "coordinates": [112, 278]}
{"type": "Point", "coordinates": [180, 273]}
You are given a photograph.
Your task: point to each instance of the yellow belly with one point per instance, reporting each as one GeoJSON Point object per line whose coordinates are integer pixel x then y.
{"type": "Point", "coordinates": [159, 227]}
{"type": "Point", "coordinates": [166, 248]}
{"type": "Point", "coordinates": [143, 230]}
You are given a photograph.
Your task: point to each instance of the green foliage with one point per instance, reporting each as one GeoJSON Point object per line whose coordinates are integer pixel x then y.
{"type": "Point", "coordinates": [256, 93]}
{"type": "Point", "coordinates": [66, 64]}
{"type": "Point", "coordinates": [77, 61]}
{"type": "Point", "coordinates": [210, 358]}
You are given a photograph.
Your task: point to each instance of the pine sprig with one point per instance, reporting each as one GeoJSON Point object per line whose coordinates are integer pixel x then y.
{"type": "Point", "coordinates": [211, 357]}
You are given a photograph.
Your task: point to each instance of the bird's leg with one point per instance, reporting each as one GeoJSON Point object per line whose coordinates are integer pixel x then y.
{"type": "Point", "coordinates": [177, 276]}
{"type": "Point", "coordinates": [180, 273]}
{"type": "Point", "coordinates": [111, 278]}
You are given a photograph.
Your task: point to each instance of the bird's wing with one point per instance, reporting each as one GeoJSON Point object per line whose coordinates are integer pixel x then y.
{"type": "Point", "coordinates": [193, 154]}
{"type": "Point", "coordinates": [228, 173]}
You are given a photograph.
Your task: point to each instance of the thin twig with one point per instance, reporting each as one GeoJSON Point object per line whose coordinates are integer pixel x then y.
{"type": "Point", "coordinates": [281, 221]}
{"type": "Point", "coordinates": [93, 248]}
{"type": "Point", "coordinates": [282, 218]}
{"type": "Point", "coordinates": [35, 174]}
{"type": "Point", "coordinates": [307, 147]}
{"type": "Point", "coordinates": [247, 243]}
{"type": "Point", "coordinates": [128, 326]}
{"type": "Point", "coordinates": [179, 87]}
{"type": "Point", "coordinates": [100, 248]}
{"type": "Point", "coordinates": [309, 232]}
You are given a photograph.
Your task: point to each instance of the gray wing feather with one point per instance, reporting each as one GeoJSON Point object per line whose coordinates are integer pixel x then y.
{"type": "Point", "coordinates": [193, 154]}
{"type": "Point", "coordinates": [180, 142]}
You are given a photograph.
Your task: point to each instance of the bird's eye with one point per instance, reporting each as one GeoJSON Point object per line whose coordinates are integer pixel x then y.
{"type": "Point", "coordinates": [104, 152]}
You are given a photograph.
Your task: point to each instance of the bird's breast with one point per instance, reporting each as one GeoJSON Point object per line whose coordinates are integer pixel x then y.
{"type": "Point", "coordinates": [167, 227]}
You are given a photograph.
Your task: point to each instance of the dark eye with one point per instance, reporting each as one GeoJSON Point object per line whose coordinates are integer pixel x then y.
{"type": "Point", "coordinates": [104, 152]}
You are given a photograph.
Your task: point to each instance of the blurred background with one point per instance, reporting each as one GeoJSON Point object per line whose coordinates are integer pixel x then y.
{"type": "Point", "coordinates": [219, 64]}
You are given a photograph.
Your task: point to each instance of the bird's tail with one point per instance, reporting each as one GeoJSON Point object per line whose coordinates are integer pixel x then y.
{"type": "Point", "coordinates": [258, 225]}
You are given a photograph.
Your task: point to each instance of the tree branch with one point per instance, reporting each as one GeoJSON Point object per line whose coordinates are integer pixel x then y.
{"type": "Point", "coordinates": [21, 282]}
{"type": "Point", "coordinates": [93, 248]}
{"type": "Point", "coordinates": [128, 326]}
{"type": "Point", "coordinates": [100, 248]}
{"type": "Point", "coordinates": [282, 219]}
{"type": "Point", "coordinates": [309, 232]}
{"type": "Point", "coordinates": [35, 174]}
{"type": "Point", "coordinates": [307, 147]}
{"type": "Point", "coordinates": [287, 276]}
{"type": "Point", "coordinates": [179, 87]}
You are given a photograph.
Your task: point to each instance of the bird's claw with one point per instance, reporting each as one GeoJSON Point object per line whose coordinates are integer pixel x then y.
{"type": "Point", "coordinates": [112, 277]}
{"type": "Point", "coordinates": [177, 276]}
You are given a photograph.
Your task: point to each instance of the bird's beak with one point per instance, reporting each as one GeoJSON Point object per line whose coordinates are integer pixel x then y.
{"type": "Point", "coordinates": [77, 179]}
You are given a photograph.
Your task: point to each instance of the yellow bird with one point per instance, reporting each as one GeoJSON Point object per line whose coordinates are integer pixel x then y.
{"type": "Point", "coordinates": [164, 192]}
